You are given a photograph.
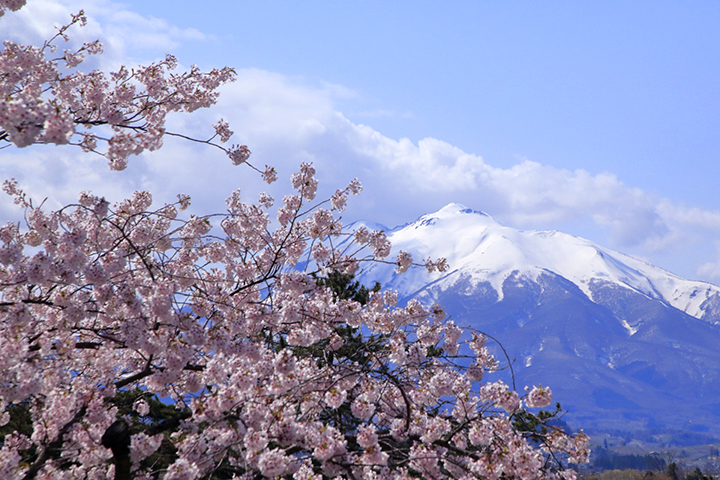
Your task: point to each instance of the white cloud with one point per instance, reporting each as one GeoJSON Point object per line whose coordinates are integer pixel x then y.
{"type": "Point", "coordinates": [404, 179]}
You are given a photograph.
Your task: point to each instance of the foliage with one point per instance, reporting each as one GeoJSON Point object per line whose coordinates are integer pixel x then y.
{"type": "Point", "coordinates": [345, 287]}
{"type": "Point", "coordinates": [265, 369]}
{"type": "Point", "coordinates": [524, 421]}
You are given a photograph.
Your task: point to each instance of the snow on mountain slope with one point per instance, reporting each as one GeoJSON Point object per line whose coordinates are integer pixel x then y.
{"type": "Point", "coordinates": [478, 249]}
{"type": "Point", "coordinates": [623, 343]}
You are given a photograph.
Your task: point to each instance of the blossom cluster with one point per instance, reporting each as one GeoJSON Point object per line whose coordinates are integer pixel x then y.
{"type": "Point", "coordinates": [281, 376]}
{"type": "Point", "coordinates": [13, 5]}
{"type": "Point", "coordinates": [48, 100]}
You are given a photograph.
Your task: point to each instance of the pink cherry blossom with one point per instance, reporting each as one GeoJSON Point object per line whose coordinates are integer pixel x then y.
{"type": "Point", "coordinates": [539, 397]}
{"type": "Point", "coordinates": [44, 105]}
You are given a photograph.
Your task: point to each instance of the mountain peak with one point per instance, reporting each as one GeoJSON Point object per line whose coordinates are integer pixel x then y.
{"type": "Point", "coordinates": [454, 216]}
{"type": "Point", "coordinates": [457, 208]}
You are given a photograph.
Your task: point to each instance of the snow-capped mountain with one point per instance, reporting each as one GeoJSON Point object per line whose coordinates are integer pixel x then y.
{"type": "Point", "coordinates": [622, 343]}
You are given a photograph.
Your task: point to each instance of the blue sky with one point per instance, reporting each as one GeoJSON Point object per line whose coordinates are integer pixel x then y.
{"type": "Point", "coordinates": [625, 87]}
{"type": "Point", "coordinates": [596, 118]}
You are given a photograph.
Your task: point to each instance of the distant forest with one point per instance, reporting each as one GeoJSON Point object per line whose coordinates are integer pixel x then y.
{"type": "Point", "coordinates": [606, 460]}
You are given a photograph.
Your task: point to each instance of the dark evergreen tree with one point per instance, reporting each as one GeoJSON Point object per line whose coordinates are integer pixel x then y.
{"type": "Point", "coordinates": [697, 475]}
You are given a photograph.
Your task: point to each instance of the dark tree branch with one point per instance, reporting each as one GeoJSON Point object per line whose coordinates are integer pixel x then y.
{"type": "Point", "coordinates": [146, 372]}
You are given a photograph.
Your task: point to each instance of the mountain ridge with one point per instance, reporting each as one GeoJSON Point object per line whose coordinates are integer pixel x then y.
{"type": "Point", "coordinates": [624, 344]}
{"type": "Point", "coordinates": [641, 276]}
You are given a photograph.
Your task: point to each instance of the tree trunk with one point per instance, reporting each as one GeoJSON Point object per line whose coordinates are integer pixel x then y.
{"type": "Point", "coordinates": [117, 439]}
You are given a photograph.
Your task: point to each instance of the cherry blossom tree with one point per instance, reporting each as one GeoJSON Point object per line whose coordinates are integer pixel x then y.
{"type": "Point", "coordinates": [244, 325]}
{"type": "Point", "coordinates": [48, 100]}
